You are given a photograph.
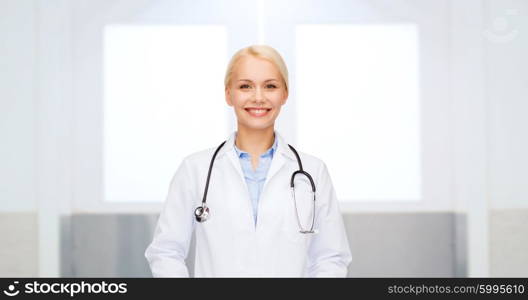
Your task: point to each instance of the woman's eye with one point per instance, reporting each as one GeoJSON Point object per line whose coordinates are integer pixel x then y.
{"type": "Point", "coordinates": [271, 86]}
{"type": "Point", "coordinates": [244, 86]}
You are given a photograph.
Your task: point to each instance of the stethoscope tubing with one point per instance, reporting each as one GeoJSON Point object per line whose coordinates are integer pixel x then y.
{"type": "Point", "coordinates": [202, 212]}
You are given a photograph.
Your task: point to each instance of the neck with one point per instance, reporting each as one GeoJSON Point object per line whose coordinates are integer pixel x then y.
{"type": "Point", "coordinates": [254, 141]}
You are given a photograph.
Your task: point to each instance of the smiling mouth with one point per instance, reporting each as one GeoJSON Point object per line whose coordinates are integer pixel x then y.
{"type": "Point", "coordinates": [257, 112]}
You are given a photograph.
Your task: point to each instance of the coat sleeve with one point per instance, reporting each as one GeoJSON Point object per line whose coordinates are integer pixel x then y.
{"type": "Point", "coordinates": [170, 245]}
{"type": "Point", "coordinates": [329, 253]}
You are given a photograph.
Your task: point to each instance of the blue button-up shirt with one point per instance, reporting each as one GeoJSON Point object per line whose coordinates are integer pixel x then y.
{"type": "Point", "coordinates": [255, 179]}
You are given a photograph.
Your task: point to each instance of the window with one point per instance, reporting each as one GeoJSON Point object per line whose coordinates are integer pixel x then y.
{"type": "Point", "coordinates": [358, 107]}
{"type": "Point", "coordinates": [163, 99]}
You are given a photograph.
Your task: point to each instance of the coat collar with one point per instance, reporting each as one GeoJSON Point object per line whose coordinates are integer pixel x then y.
{"type": "Point", "coordinates": [283, 154]}
{"type": "Point", "coordinates": [282, 146]}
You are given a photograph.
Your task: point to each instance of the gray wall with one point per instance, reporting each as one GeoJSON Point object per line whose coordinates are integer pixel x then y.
{"type": "Point", "coordinates": [383, 244]}
{"type": "Point", "coordinates": [403, 244]}
{"type": "Point", "coordinates": [509, 244]}
{"type": "Point", "coordinates": [19, 245]}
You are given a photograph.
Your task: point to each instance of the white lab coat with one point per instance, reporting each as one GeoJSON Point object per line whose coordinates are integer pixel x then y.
{"type": "Point", "coordinates": [229, 244]}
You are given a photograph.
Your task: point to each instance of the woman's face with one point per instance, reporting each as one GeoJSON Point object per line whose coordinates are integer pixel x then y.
{"type": "Point", "coordinates": [256, 92]}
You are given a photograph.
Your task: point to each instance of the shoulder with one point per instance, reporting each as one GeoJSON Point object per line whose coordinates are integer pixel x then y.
{"type": "Point", "coordinates": [193, 165]}
{"type": "Point", "coordinates": [199, 156]}
{"type": "Point", "coordinates": [310, 158]}
{"type": "Point", "coordinates": [312, 163]}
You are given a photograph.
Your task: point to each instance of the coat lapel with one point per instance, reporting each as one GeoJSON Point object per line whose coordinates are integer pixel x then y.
{"type": "Point", "coordinates": [229, 150]}
{"type": "Point", "coordinates": [282, 155]}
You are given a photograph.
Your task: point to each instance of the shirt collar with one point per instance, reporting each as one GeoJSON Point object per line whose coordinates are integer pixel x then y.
{"type": "Point", "coordinates": [282, 146]}
{"type": "Point", "coordinates": [269, 152]}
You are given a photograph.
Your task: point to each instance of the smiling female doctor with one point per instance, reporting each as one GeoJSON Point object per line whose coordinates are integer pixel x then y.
{"type": "Point", "coordinates": [246, 219]}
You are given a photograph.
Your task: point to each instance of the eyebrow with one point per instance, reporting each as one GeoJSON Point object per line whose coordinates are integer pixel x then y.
{"type": "Point", "coordinates": [264, 80]}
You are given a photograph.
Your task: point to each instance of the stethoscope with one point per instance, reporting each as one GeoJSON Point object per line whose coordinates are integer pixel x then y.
{"type": "Point", "coordinates": [202, 212]}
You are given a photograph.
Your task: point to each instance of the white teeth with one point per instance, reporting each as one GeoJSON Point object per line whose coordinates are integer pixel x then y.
{"type": "Point", "coordinates": [258, 111]}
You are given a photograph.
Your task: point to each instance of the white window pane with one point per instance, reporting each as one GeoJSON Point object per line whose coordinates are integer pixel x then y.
{"type": "Point", "coordinates": [163, 90]}
{"type": "Point", "coordinates": [358, 107]}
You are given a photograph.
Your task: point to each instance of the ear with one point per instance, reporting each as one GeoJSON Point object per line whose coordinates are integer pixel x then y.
{"type": "Point", "coordinates": [228, 96]}
{"type": "Point", "coordinates": [285, 97]}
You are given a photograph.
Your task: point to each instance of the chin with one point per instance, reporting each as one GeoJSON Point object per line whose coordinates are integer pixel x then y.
{"type": "Point", "coordinates": [258, 125]}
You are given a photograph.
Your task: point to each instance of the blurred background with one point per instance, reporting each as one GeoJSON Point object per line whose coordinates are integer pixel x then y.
{"type": "Point", "coordinates": [417, 107]}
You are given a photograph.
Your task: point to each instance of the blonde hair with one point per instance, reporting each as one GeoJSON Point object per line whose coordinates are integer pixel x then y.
{"type": "Point", "coordinates": [260, 51]}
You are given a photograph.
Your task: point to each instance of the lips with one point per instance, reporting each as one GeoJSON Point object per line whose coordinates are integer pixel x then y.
{"type": "Point", "coordinates": [257, 111]}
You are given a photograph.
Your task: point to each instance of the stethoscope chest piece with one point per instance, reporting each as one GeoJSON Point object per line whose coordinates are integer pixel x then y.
{"type": "Point", "coordinates": [201, 213]}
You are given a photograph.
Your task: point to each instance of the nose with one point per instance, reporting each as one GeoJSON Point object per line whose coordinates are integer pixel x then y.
{"type": "Point", "coordinates": [259, 94]}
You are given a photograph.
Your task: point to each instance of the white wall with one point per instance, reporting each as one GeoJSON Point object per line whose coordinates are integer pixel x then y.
{"type": "Point", "coordinates": [54, 117]}
{"type": "Point", "coordinates": [488, 96]}
{"type": "Point", "coordinates": [469, 130]}
{"type": "Point", "coordinates": [506, 33]}
{"type": "Point", "coordinates": [35, 128]}
{"type": "Point", "coordinates": [18, 205]}
{"type": "Point", "coordinates": [17, 105]}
